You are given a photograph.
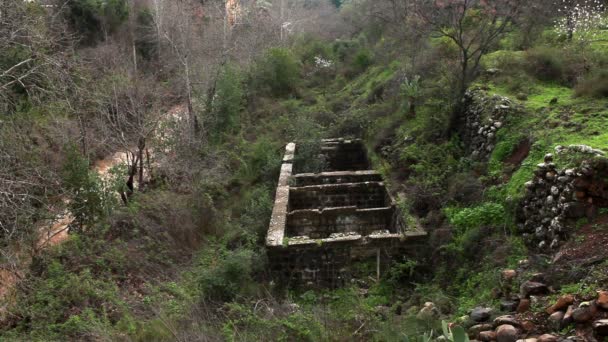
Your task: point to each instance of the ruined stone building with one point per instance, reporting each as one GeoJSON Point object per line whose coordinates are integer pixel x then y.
{"type": "Point", "coordinates": [323, 222]}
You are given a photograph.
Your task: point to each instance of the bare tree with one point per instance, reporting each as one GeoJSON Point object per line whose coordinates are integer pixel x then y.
{"type": "Point", "coordinates": [473, 26]}
{"type": "Point", "coordinates": [38, 54]}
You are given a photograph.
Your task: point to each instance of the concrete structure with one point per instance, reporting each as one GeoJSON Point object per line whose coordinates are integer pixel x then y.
{"type": "Point", "coordinates": [323, 222]}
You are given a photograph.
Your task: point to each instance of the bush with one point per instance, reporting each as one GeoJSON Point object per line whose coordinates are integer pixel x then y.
{"type": "Point", "coordinates": [91, 18]}
{"type": "Point", "coordinates": [278, 72]}
{"type": "Point", "coordinates": [228, 102]}
{"type": "Point", "coordinates": [594, 86]}
{"type": "Point", "coordinates": [309, 47]}
{"type": "Point", "coordinates": [363, 59]}
{"type": "Point", "coordinates": [228, 275]}
{"type": "Point", "coordinates": [64, 303]}
{"type": "Point", "coordinates": [485, 214]}
{"type": "Point", "coordinates": [89, 200]}
{"type": "Point", "coordinates": [546, 64]}
{"type": "Point", "coordinates": [563, 66]}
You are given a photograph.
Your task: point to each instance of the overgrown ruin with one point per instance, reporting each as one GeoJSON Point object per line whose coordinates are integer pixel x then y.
{"type": "Point", "coordinates": [322, 222]}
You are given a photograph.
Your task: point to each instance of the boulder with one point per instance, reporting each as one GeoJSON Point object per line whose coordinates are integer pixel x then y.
{"type": "Point", "coordinates": [533, 288]}
{"type": "Point", "coordinates": [601, 327]}
{"type": "Point", "coordinates": [480, 314]}
{"type": "Point", "coordinates": [562, 303]}
{"type": "Point", "coordinates": [506, 333]}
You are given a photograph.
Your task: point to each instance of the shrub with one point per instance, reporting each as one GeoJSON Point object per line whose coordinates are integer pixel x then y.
{"type": "Point", "coordinates": [63, 303]}
{"type": "Point", "coordinates": [563, 66]}
{"type": "Point", "coordinates": [594, 86]}
{"type": "Point", "coordinates": [309, 47]}
{"type": "Point", "coordinates": [546, 64]}
{"type": "Point", "coordinates": [228, 101]}
{"type": "Point", "coordinates": [278, 72]}
{"type": "Point", "coordinates": [465, 188]}
{"type": "Point", "coordinates": [363, 59]}
{"type": "Point", "coordinates": [228, 275]}
{"type": "Point", "coordinates": [485, 214]}
{"type": "Point", "coordinates": [89, 200]}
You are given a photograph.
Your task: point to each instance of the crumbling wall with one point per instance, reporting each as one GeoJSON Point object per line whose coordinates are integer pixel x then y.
{"type": "Point", "coordinates": [318, 224]}
{"type": "Point", "coordinates": [484, 116]}
{"type": "Point", "coordinates": [557, 197]}
{"type": "Point", "coordinates": [361, 195]}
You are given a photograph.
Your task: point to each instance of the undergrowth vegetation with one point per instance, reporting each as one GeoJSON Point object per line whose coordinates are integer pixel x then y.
{"type": "Point", "coordinates": [185, 257]}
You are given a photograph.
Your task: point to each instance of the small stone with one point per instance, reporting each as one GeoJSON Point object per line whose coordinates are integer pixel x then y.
{"type": "Point", "coordinates": [562, 303]}
{"type": "Point", "coordinates": [601, 327]}
{"type": "Point", "coordinates": [476, 329]}
{"type": "Point", "coordinates": [487, 336]}
{"type": "Point", "coordinates": [498, 124]}
{"type": "Point", "coordinates": [533, 288]}
{"type": "Point", "coordinates": [429, 311]}
{"type": "Point", "coordinates": [554, 190]}
{"type": "Point", "coordinates": [528, 326]}
{"type": "Point", "coordinates": [480, 314]}
{"type": "Point", "coordinates": [602, 299]}
{"type": "Point", "coordinates": [547, 338]}
{"type": "Point", "coordinates": [556, 319]}
{"type": "Point", "coordinates": [582, 315]}
{"type": "Point", "coordinates": [568, 316]}
{"type": "Point", "coordinates": [548, 158]}
{"type": "Point", "coordinates": [509, 305]}
{"type": "Point", "coordinates": [506, 333]}
{"type": "Point", "coordinates": [508, 275]}
{"type": "Point", "coordinates": [528, 340]}
{"type": "Point", "coordinates": [506, 319]}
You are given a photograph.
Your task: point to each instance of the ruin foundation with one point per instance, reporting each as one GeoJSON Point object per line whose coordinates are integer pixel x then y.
{"type": "Point", "coordinates": [323, 222]}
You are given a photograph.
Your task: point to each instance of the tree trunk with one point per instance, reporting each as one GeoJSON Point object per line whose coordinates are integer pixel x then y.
{"type": "Point", "coordinates": [141, 147]}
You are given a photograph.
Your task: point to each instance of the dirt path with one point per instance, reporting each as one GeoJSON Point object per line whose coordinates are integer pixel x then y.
{"type": "Point", "coordinates": [56, 232]}
{"type": "Point", "coordinates": [49, 235]}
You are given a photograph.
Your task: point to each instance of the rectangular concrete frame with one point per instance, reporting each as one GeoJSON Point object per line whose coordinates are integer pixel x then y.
{"type": "Point", "coordinates": [324, 261]}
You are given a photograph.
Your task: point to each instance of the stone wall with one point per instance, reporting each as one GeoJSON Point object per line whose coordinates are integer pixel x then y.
{"type": "Point", "coordinates": [557, 197]}
{"type": "Point", "coordinates": [318, 224]}
{"type": "Point", "coordinates": [362, 195]}
{"type": "Point", "coordinates": [484, 116]}
{"type": "Point", "coordinates": [336, 177]}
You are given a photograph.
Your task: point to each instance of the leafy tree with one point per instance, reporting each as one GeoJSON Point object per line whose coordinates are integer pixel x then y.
{"type": "Point", "coordinates": [92, 17]}
{"type": "Point", "coordinates": [88, 201]}
{"type": "Point", "coordinates": [279, 72]}
{"type": "Point", "coordinates": [228, 101]}
{"type": "Point", "coordinates": [411, 90]}
{"type": "Point", "coordinates": [474, 27]}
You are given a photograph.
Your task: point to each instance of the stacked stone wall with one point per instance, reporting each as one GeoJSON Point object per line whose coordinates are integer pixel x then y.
{"type": "Point", "coordinates": [557, 197]}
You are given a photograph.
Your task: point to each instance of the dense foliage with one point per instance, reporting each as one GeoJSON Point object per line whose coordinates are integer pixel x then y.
{"type": "Point", "coordinates": [159, 128]}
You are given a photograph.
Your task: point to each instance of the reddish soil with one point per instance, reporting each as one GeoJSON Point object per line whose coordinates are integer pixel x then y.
{"type": "Point", "coordinates": [520, 153]}
{"type": "Point", "coordinates": [591, 246]}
